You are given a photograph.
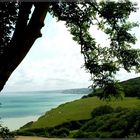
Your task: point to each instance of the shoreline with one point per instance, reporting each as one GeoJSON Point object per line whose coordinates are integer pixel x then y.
{"type": "Point", "coordinates": [15, 123]}
{"type": "Point", "coordinates": [31, 105]}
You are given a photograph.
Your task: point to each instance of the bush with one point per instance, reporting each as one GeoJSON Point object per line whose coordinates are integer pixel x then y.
{"type": "Point", "coordinates": [120, 109]}
{"type": "Point", "coordinates": [102, 110]}
{"type": "Point", "coordinates": [119, 124]}
{"type": "Point", "coordinates": [25, 133]}
{"type": "Point", "coordinates": [62, 132]}
{"type": "Point", "coordinates": [80, 134]}
{"type": "Point", "coordinates": [117, 133]}
{"type": "Point", "coordinates": [34, 132]}
{"type": "Point", "coordinates": [5, 133]}
{"type": "Point", "coordinates": [72, 125]}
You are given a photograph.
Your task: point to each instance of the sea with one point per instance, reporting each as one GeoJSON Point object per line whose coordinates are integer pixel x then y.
{"type": "Point", "coordinates": [19, 108]}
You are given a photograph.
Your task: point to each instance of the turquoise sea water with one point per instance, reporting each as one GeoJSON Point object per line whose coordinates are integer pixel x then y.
{"type": "Point", "coordinates": [18, 108]}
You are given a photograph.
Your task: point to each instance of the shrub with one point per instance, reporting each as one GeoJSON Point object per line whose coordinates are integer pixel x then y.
{"type": "Point", "coordinates": [119, 124]}
{"type": "Point", "coordinates": [102, 110]}
{"type": "Point", "coordinates": [25, 133]}
{"type": "Point", "coordinates": [72, 125]}
{"type": "Point", "coordinates": [105, 135]}
{"type": "Point", "coordinates": [5, 133]}
{"type": "Point", "coordinates": [117, 134]}
{"type": "Point", "coordinates": [120, 109]}
{"type": "Point", "coordinates": [80, 134]}
{"type": "Point", "coordinates": [62, 132]}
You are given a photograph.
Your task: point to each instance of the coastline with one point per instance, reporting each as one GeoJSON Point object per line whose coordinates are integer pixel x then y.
{"type": "Point", "coordinates": [18, 109]}
{"type": "Point", "coordinates": [16, 123]}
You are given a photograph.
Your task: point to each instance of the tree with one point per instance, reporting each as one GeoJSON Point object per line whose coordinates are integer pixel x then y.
{"type": "Point", "coordinates": [25, 33]}
{"type": "Point", "coordinates": [5, 133]}
{"type": "Point", "coordinates": [101, 61]}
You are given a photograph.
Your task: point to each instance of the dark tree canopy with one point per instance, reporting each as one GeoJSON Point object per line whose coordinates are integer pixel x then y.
{"type": "Point", "coordinates": [102, 62]}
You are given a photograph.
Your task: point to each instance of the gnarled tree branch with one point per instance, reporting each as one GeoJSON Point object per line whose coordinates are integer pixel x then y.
{"type": "Point", "coordinates": [24, 37]}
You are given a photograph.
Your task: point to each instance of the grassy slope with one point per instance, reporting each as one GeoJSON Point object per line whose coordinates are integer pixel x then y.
{"type": "Point", "coordinates": [79, 110]}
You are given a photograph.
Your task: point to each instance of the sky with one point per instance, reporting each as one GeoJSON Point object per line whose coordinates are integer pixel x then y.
{"type": "Point", "coordinates": [55, 62]}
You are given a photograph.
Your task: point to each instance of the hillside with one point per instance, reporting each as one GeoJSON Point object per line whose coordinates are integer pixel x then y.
{"type": "Point", "coordinates": [78, 110]}
{"type": "Point", "coordinates": [130, 87]}
{"type": "Point", "coordinates": [67, 91]}
{"type": "Point", "coordinates": [77, 113]}
{"type": "Point", "coordinates": [77, 91]}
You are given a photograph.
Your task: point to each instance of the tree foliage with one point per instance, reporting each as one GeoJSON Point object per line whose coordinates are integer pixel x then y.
{"type": "Point", "coordinates": [5, 133]}
{"type": "Point", "coordinates": [8, 14]}
{"type": "Point", "coordinates": [102, 62]}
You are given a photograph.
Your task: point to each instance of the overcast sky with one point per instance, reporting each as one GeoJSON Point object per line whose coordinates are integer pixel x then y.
{"type": "Point", "coordinates": [54, 61]}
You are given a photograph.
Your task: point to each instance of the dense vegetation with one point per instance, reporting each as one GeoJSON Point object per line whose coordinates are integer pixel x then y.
{"type": "Point", "coordinates": [119, 123]}
{"type": "Point", "coordinates": [5, 133]}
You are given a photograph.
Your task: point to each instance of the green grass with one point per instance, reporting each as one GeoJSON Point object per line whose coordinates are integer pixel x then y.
{"type": "Point", "coordinates": [79, 110]}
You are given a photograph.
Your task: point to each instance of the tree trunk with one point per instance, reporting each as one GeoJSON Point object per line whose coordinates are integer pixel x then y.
{"type": "Point", "coordinates": [23, 38]}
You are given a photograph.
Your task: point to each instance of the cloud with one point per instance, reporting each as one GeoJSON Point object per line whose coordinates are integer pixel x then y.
{"type": "Point", "coordinates": [123, 75]}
